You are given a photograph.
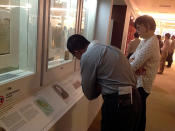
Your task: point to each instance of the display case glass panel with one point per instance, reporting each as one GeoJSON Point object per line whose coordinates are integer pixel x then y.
{"type": "Point", "coordinates": [88, 19]}
{"type": "Point", "coordinates": [61, 25]}
{"type": "Point", "coordinates": [18, 38]}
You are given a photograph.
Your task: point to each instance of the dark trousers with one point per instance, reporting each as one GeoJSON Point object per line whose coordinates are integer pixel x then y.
{"type": "Point", "coordinates": [144, 96]}
{"type": "Point", "coordinates": [118, 117]}
{"type": "Point", "coordinates": [162, 61]}
{"type": "Point", "coordinates": [169, 59]}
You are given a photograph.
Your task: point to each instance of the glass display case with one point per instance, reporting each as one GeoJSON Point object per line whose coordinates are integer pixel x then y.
{"type": "Point", "coordinates": [4, 32]}
{"type": "Point", "coordinates": [18, 38]}
{"type": "Point", "coordinates": [65, 19]}
{"type": "Point", "coordinates": [88, 18]}
{"type": "Point", "coordinates": [61, 25]}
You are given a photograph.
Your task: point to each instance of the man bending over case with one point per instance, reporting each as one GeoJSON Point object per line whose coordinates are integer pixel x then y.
{"type": "Point", "coordinates": [105, 70]}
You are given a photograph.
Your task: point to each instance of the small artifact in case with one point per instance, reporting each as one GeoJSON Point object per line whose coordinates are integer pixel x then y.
{"type": "Point", "coordinates": [60, 91]}
{"type": "Point", "coordinates": [77, 84]}
{"type": "Point", "coordinates": [66, 55]}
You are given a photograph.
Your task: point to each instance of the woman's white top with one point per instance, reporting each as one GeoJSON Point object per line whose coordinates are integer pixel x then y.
{"type": "Point", "coordinates": [147, 55]}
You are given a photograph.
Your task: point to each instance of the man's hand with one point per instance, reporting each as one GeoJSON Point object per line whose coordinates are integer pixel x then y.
{"type": "Point", "coordinates": [141, 71]}
{"type": "Point", "coordinates": [98, 89]}
{"type": "Point", "coordinates": [130, 60]}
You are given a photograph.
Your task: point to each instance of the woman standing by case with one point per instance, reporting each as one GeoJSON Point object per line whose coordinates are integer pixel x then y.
{"type": "Point", "coordinates": [145, 60]}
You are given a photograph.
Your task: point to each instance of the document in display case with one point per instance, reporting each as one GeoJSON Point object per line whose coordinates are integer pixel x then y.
{"type": "Point", "coordinates": [42, 110]}
{"type": "Point", "coordinates": [45, 107]}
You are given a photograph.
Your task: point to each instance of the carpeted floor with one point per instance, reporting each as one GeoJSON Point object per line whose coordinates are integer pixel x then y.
{"type": "Point", "coordinates": [160, 104]}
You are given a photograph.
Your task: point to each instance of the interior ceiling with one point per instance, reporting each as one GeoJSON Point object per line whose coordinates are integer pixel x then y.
{"type": "Point", "coordinates": [154, 6]}
{"type": "Point", "coordinates": [162, 10]}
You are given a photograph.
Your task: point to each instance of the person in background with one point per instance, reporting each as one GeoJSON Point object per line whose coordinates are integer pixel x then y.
{"type": "Point", "coordinates": [105, 70]}
{"type": "Point", "coordinates": [160, 42]}
{"type": "Point", "coordinates": [171, 51]}
{"type": "Point", "coordinates": [145, 60]}
{"type": "Point", "coordinates": [133, 45]}
{"type": "Point", "coordinates": [164, 53]}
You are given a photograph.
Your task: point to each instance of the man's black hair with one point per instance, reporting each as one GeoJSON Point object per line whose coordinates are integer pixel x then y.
{"type": "Point", "coordinates": [168, 35]}
{"type": "Point", "coordinates": [159, 37]}
{"type": "Point", "coordinates": [77, 42]}
{"type": "Point", "coordinates": [136, 35]}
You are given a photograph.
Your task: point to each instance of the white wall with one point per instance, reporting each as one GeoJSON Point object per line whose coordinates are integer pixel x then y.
{"type": "Point", "coordinates": [126, 27]}
{"type": "Point", "coordinates": [129, 11]}
{"type": "Point", "coordinates": [103, 21]}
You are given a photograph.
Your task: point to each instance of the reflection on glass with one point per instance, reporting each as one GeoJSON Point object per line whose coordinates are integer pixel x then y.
{"type": "Point", "coordinates": [88, 19]}
{"type": "Point", "coordinates": [4, 33]}
{"type": "Point", "coordinates": [62, 25]}
{"type": "Point", "coordinates": [18, 38]}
